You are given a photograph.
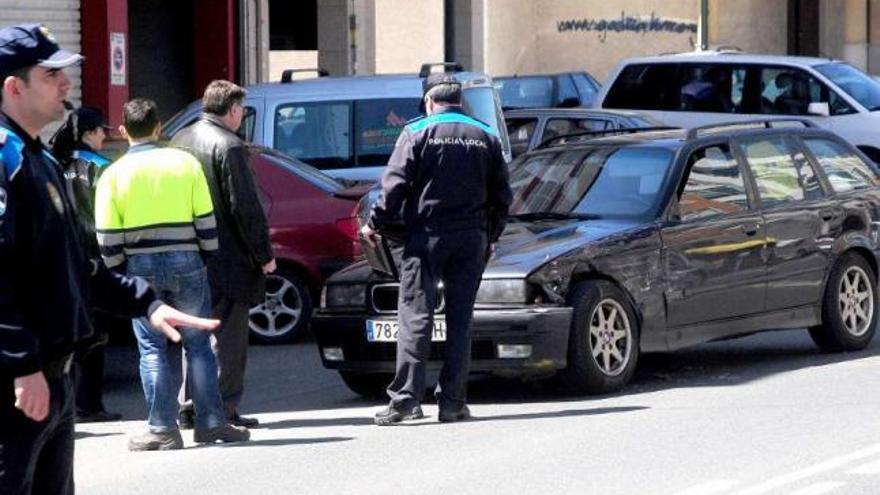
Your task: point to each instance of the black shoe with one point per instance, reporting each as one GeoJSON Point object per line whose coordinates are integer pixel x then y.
{"type": "Point", "coordinates": [448, 416]}
{"type": "Point", "coordinates": [156, 441]}
{"type": "Point", "coordinates": [391, 415]}
{"type": "Point", "coordinates": [223, 433]}
{"type": "Point", "coordinates": [186, 418]}
{"type": "Point", "coordinates": [97, 417]}
{"type": "Point", "coordinates": [239, 420]}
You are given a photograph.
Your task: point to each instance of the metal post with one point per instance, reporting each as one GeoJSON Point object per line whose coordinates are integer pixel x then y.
{"type": "Point", "coordinates": [704, 25]}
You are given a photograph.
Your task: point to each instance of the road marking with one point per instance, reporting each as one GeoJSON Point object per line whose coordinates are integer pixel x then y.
{"type": "Point", "coordinates": [710, 488]}
{"type": "Point", "coordinates": [818, 488]}
{"type": "Point", "coordinates": [872, 467]}
{"type": "Point", "coordinates": [833, 463]}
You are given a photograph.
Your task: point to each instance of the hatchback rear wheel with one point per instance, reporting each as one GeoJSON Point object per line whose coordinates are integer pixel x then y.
{"type": "Point", "coordinates": [849, 308]}
{"type": "Point", "coordinates": [285, 312]}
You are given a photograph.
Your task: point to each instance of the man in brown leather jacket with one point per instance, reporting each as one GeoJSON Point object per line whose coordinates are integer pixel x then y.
{"type": "Point", "coordinates": [237, 272]}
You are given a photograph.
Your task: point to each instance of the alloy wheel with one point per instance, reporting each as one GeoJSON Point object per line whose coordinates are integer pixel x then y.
{"type": "Point", "coordinates": [280, 311]}
{"type": "Point", "coordinates": [856, 300]}
{"type": "Point", "coordinates": [610, 337]}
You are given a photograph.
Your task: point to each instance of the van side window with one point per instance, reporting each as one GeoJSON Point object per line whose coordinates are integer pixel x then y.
{"type": "Point", "coordinates": [789, 91]}
{"type": "Point", "coordinates": [845, 170]}
{"type": "Point", "coordinates": [782, 174]}
{"type": "Point", "coordinates": [714, 185]}
{"type": "Point", "coordinates": [248, 122]}
{"type": "Point", "coordinates": [377, 125]}
{"type": "Point", "coordinates": [520, 132]}
{"type": "Point", "coordinates": [316, 133]}
{"type": "Point", "coordinates": [711, 88]}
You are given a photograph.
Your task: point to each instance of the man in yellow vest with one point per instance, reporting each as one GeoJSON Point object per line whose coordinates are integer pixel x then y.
{"type": "Point", "coordinates": [154, 217]}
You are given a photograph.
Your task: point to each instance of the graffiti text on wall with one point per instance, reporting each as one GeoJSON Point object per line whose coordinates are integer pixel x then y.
{"type": "Point", "coordinates": [631, 23]}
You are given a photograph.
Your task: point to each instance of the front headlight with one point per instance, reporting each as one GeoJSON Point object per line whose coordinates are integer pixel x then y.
{"type": "Point", "coordinates": [345, 295]}
{"type": "Point", "coordinates": [502, 292]}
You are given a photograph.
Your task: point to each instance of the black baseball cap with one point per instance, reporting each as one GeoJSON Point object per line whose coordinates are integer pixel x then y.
{"type": "Point", "coordinates": [434, 80]}
{"type": "Point", "coordinates": [90, 118]}
{"type": "Point", "coordinates": [437, 79]}
{"type": "Point", "coordinates": [32, 44]}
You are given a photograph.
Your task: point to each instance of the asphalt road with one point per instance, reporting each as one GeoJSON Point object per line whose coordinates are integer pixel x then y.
{"type": "Point", "coordinates": [768, 414]}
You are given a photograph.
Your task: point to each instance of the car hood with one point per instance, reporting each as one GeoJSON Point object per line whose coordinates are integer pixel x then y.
{"type": "Point", "coordinates": [523, 247]}
{"type": "Point", "coordinates": [526, 246]}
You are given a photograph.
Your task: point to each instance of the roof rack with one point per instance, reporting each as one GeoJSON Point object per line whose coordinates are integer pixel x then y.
{"type": "Point", "coordinates": [425, 70]}
{"type": "Point", "coordinates": [632, 130]}
{"type": "Point", "coordinates": [287, 75]}
{"type": "Point", "coordinates": [694, 132]}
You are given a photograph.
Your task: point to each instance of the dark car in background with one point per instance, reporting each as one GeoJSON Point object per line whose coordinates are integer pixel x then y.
{"type": "Point", "coordinates": [313, 230]}
{"type": "Point", "coordinates": [645, 241]}
{"type": "Point", "coordinates": [529, 127]}
{"type": "Point", "coordinates": [560, 90]}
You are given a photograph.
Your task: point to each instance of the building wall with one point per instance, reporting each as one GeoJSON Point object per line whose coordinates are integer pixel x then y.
{"type": "Point", "coordinates": [594, 35]}
{"type": "Point", "coordinates": [408, 33]}
{"type": "Point", "coordinates": [758, 26]}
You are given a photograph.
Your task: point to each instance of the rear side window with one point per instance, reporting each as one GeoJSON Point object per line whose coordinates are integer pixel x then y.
{"type": "Point", "coordinates": [316, 133]}
{"type": "Point", "coordinates": [714, 185]}
{"type": "Point", "coordinates": [378, 123]}
{"type": "Point", "coordinates": [782, 175]}
{"type": "Point", "coordinates": [691, 87]}
{"type": "Point", "coordinates": [845, 170]}
{"type": "Point", "coordinates": [520, 132]}
{"type": "Point", "coordinates": [643, 86]}
{"type": "Point", "coordinates": [560, 127]}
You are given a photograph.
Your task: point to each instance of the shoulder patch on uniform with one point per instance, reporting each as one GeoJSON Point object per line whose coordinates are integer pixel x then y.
{"type": "Point", "coordinates": [11, 153]}
{"type": "Point", "coordinates": [91, 157]}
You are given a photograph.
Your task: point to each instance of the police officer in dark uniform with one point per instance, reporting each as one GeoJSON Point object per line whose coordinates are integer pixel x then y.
{"type": "Point", "coordinates": [449, 175]}
{"type": "Point", "coordinates": [77, 145]}
{"type": "Point", "coordinates": [46, 280]}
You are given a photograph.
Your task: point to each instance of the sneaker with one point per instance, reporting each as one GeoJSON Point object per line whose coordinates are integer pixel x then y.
{"type": "Point", "coordinates": [169, 440]}
{"type": "Point", "coordinates": [186, 417]}
{"type": "Point", "coordinates": [246, 421]}
{"type": "Point", "coordinates": [97, 417]}
{"type": "Point", "coordinates": [447, 416]}
{"type": "Point", "coordinates": [392, 414]}
{"type": "Point", "coordinates": [226, 433]}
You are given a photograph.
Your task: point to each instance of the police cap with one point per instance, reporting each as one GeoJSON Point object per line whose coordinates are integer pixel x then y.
{"type": "Point", "coordinates": [32, 44]}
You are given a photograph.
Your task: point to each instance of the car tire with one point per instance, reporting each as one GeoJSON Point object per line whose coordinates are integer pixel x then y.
{"type": "Point", "coordinates": [849, 306]}
{"type": "Point", "coordinates": [286, 311]}
{"type": "Point", "coordinates": [602, 354]}
{"type": "Point", "coordinates": [368, 385]}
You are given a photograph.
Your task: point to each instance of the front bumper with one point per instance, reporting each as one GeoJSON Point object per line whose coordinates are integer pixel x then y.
{"type": "Point", "coordinates": [545, 329]}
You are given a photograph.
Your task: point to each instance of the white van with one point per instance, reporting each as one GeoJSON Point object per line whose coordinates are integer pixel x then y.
{"type": "Point", "coordinates": [700, 88]}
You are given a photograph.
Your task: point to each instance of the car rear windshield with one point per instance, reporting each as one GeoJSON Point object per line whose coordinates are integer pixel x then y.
{"type": "Point", "coordinates": [607, 181]}
{"type": "Point", "coordinates": [526, 92]}
{"type": "Point", "coordinates": [862, 87]}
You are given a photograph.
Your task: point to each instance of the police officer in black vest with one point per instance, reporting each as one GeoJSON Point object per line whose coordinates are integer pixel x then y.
{"type": "Point", "coordinates": [449, 175]}
{"type": "Point", "coordinates": [46, 279]}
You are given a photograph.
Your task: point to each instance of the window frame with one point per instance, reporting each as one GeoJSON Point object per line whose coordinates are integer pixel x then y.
{"type": "Point", "coordinates": [751, 192]}
{"type": "Point", "coordinates": [794, 148]}
{"type": "Point", "coordinates": [825, 179]}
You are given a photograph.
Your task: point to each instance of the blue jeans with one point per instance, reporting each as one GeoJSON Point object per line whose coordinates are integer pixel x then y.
{"type": "Point", "coordinates": [179, 279]}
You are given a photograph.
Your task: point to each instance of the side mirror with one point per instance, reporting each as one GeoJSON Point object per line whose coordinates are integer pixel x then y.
{"type": "Point", "coordinates": [822, 109]}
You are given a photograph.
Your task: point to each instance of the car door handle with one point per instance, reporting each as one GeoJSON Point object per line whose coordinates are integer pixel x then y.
{"type": "Point", "coordinates": [748, 229]}
{"type": "Point", "coordinates": [826, 216]}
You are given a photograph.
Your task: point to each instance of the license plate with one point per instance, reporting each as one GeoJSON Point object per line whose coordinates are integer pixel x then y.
{"type": "Point", "coordinates": [386, 331]}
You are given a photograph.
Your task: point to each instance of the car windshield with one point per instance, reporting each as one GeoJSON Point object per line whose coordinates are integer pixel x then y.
{"type": "Point", "coordinates": [526, 92]}
{"type": "Point", "coordinates": [854, 82]}
{"type": "Point", "coordinates": [606, 181]}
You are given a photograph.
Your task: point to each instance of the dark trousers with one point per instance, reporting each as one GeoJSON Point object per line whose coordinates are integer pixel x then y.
{"type": "Point", "coordinates": [37, 457]}
{"type": "Point", "coordinates": [90, 381]}
{"type": "Point", "coordinates": [457, 259]}
{"type": "Point", "coordinates": [230, 343]}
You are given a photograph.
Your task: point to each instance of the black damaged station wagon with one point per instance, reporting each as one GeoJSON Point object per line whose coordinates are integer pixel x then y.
{"type": "Point", "coordinates": [630, 241]}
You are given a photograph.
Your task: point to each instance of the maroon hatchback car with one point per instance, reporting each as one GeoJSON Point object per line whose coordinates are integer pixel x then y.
{"type": "Point", "coordinates": [313, 230]}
